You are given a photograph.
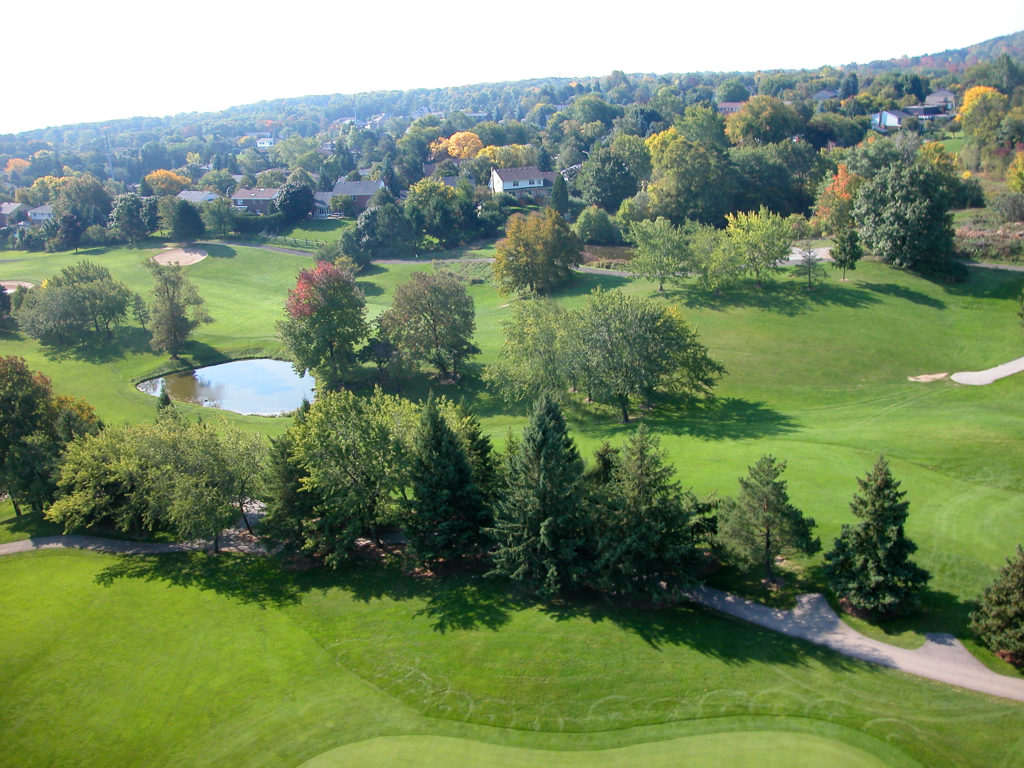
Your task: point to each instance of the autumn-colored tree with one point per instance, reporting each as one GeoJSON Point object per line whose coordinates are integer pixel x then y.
{"type": "Point", "coordinates": [538, 253]}
{"type": "Point", "coordinates": [16, 165]}
{"type": "Point", "coordinates": [439, 149]}
{"type": "Point", "coordinates": [1015, 174]}
{"type": "Point", "coordinates": [982, 112]}
{"type": "Point", "coordinates": [834, 205]}
{"type": "Point", "coordinates": [164, 182]}
{"type": "Point", "coordinates": [464, 144]}
{"type": "Point", "coordinates": [510, 155]}
{"type": "Point", "coordinates": [326, 319]}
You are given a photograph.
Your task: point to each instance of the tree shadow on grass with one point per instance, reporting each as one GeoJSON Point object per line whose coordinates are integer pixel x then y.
{"type": "Point", "coordinates": [902, 292]}
{"type": "Point", "coordinates": [454, 602]}
{"type": "Point", "coordinates": [29, 526]}
{"type": "Point", "coordinates": [706, 631]}
{"type": "Point", "coordinates": [219, 251]}
{"type": "Point", "coordinates": [787, 298]}
{"type": "Point", "coordinates": [370, 288]}
{"type": "Point", "coordinates": [722, 418]}
{"type": "Point", "coordinates": [99, 348]}
{"type": "Point", "coordinates": [254, 580]}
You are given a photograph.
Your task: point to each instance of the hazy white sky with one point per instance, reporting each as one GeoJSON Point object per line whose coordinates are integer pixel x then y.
{"type": "Point", "coordinates": [81, 62]}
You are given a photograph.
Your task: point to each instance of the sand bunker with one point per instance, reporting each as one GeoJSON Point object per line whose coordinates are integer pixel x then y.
{"type": "Point", "coordinates": [182, 256]}
{"type": "Point", "coordinates": [12, 285]}
{"type": "Point", "coordinates": [928, 377]}
{"type": "Point", "coordinates": [981, 378]}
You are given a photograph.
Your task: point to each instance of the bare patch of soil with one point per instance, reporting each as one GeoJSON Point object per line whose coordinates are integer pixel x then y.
{"type": "Point", "coordinates": [928, 377]}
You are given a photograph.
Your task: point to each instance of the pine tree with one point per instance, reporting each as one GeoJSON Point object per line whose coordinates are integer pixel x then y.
{"type": "Point", "coordinates": [999, 618]}
{"type": "Point", "coordinates": [559, 195]}
{"type": "Point", "coordinates": [870, 564]}
{"type": "Point", "coordinates": [539, 525]}
{"type": "Point", "coordinates": [649, 541]}
{"type": "Point", "coordinates": [447, 516]}
{"type": "Point", "coordinates": [761, 523]}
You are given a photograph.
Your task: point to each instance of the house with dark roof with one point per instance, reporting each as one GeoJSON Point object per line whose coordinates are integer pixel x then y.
{"type": "Point", "coordinates": [522, 182]}
{"type": "Point", "coordinates": [10, 213]}
{"type": "Point", "coordinates": [359, 191]}
{"type": "Point", "coordinates": [825, 94]}
{"type": "Point", "coordinates": [941, 98]}
{"type": "Point", "coordinates": [258, 201]}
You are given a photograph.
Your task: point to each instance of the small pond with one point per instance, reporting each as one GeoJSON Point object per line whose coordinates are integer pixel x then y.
{"type": "Point", "coordinates": [253, 387]}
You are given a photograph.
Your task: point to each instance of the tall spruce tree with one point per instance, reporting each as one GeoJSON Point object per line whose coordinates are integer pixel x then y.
{"type": "Point", "coordinates": [649, 541]}
{"type": "Point", "coordinates": [761, 522]}
{"type": "Point", "coordinates": [539, 526]}
{"type": "Point", "coordinates": [447, 517]}
{"type": "Point", "coordinates": [870, 563]}
{"type": "Point", "coordinates": [999, 617]}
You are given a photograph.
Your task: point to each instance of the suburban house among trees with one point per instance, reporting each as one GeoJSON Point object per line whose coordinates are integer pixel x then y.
{"type": "Point", "coordinates": [522, 182]}
{"type": "Point", "coordinates": [258, 201]}
{"type": "Point", "coordinates": [359, 191]}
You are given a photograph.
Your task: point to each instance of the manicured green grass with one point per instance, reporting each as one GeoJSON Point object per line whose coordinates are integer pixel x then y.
{"type": "Point", "coordinates": [764, 749]}
{"type": "Point", "coordinates": [277, 668]}
{"type": "Point", "coordinates": [326, 230]}
{"type": "Point", "coordinates": [199, 660]}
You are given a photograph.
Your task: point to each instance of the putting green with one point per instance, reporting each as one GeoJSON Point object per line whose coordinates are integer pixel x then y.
{"type": "Point", "coordinates": [763, 749]}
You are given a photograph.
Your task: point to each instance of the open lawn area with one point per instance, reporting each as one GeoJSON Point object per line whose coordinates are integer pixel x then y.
{"type": "Point", "coordinates": [194, 660]}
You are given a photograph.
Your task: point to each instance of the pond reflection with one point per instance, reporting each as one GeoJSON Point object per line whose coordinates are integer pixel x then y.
{"type": "Point", "coordinates": [253, 387]}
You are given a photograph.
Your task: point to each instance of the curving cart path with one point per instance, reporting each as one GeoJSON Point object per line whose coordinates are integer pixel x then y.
{"type": "Point", "coordinates": [942, 657]}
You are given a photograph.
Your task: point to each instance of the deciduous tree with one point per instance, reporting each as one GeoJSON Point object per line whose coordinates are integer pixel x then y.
{"type": "Point", "coordinates": [432, 319]}
{"type": "Point", "coordinates": [177, 308]}
{"type": "Point", "coordinates": [661, 251]}
{"type": "Point", "coordinates": [166, 183]}
{"type": "Point", "coordinates": [126, 216]}
{"type": "Point", "coordinates": [538, 253]}
{"type": "Point", "coordinates": [325, 322]}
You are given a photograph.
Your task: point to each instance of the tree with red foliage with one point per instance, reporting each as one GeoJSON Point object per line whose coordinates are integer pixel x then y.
{"type": "Point", "coordinates": [326, 320]}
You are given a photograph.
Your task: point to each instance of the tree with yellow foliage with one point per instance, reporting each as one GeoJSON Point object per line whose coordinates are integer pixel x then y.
{"type": "Point", "coordinates": [1015, 174]}
{"type": "Point", "coordinates": [164, 182]}
{"type": "Point", "coordinates": [464, 145]}
{"type": "Point", "coordinates": [981, 112]}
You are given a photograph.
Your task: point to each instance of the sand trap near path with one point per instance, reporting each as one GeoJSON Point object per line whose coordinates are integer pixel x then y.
{"type": "Point", "coordinates": [928, 377]}
{"type": "Point", "coordinates": [12, 285]}
{"type": "Point", "coordinates": [182, 256]}
{"type": "Point", "coordinates": [981, 378]}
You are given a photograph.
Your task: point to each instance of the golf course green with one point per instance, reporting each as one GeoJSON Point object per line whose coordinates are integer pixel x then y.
{"type": "Point", "coordinates": [232, 660]}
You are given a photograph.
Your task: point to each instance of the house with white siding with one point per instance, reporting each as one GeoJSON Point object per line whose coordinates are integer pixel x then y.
{"type": "Point", "coordinates": [522, 182]}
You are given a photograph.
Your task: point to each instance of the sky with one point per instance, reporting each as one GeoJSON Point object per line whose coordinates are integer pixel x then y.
{"type": "Point", "coordinates": [87, 62]}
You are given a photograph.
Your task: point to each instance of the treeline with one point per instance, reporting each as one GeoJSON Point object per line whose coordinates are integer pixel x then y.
{"type": "Point", "coordinates": [350, 467]}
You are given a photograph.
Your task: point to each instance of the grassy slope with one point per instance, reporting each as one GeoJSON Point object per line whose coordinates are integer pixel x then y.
{"type": "Point", "coordinates": [817, 378]}
{"type": "Point", "coordinates": [194, 661]}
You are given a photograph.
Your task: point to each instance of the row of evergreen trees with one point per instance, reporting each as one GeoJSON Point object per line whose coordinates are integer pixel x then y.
{"type": "Point", "coordinates": [541, 519]}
